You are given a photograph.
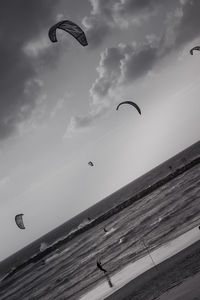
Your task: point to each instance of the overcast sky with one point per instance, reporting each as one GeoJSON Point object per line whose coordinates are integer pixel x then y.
{"type": "Point", "coordinates": [58, 103]}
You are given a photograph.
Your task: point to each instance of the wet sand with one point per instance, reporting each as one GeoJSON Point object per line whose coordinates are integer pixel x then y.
{"type": "Point", "coordinates": [167, 276]}
{"type": "Point", "coordinates": [188, 290]}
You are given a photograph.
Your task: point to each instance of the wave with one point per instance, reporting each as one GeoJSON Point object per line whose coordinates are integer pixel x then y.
{"type": "Point", "coordinates": [43, 246]}
{"type": "Point", "coordinates": [122, 240]}
{"type": "Point", "coordinates": [46, 249]}
{"type": "Point", "coordinates": [56, 255]}
{"type": "Point", "coordinates": [110, 231]}
{"type": "Point", "coordinates": [157, 221]}
{"type": "Point", "coordinates": [84, 223]}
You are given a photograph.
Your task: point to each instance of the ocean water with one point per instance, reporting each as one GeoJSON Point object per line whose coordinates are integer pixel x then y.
{"type": "Point", "coordinates": [69, 269]}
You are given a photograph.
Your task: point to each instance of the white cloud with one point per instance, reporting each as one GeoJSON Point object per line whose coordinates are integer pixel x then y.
{"type": "Point", "coordinates": [124, 64]}
{"type": "Point", "coordinates": [36, 115]}
{"type": "Point", "coordinates": [107, 15]}
{"type": "Point", "coordinates": [57, 108]}
{"type": "Point", "coordinates": [82, 123]}
{"type": "Point", "coordinates": [35, 47]}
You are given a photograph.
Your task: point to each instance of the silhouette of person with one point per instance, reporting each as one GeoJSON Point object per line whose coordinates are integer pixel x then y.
{"type": "Point", "coordinates": [99, 266]}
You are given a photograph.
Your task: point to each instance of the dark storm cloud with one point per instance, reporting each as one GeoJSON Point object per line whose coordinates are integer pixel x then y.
{"type": "Point", "coordinates": [20, 22]}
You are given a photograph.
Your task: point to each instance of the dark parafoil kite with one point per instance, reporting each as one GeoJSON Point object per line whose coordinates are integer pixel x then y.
{"type": "Point", "coordinates": [19, 221]}
{"type": "Point", "coordinates": [194, 48]}
{"type": "Point", "coordinates": [91, 163]}
{"type": "Point", "coordinates": [130, 103]}
{"type": "Point", "coordinates": [71, 28]}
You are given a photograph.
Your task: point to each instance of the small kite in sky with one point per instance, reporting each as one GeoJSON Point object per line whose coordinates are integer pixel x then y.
{"type": "Point", "coordinates": [19, 221]}
{"type": "Point", "coordinates": [194, 48]}
{"type": "Point", "coordinates": [130, 103]}
{"type": "Point", "coordinates": [71, 28]}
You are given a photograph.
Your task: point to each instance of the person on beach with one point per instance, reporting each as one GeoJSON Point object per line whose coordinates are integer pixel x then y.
{"type": "Point", "coordinates": [99, 266]}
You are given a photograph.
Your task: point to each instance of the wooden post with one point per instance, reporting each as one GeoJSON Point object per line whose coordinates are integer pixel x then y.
{"type": "Point", "coordinates": [146, 247]}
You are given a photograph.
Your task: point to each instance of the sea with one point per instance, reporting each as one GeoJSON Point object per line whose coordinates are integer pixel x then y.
{"type": "Point", "coordinates": [127, 225]}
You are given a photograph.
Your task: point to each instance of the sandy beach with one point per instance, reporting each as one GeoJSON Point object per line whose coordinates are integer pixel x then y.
{"type": "Point", "coordinates": [189, 289]}
{"type": "Point", "coordinates": [175, 261]}
{"type": "Point", "coordinates": [158, 214]}
{"type": "Point", "coordinates": [176, 278]}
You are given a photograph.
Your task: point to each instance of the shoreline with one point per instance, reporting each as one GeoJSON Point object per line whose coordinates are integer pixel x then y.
{"type": "Point", "coordinates": [154, 283]}
{"type": "Point", "coordinates": [139, 277]}
{"type": "Point", "coordinates": [121, 206]}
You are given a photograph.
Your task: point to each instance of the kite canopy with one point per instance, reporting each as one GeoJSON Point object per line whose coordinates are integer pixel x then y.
{"type": "Point", "coordinates": [130, 103]}
{"type": "Point", "coordinates": [19, 221]}
{"type": "Point", "coordinates": [71, 28]}
{"type": "Point", "coordinates": [91, 163]}
{"type": "Point", "coordinates": [194, 48]}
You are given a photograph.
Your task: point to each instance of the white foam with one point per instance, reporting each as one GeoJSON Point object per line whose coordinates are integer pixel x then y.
{"type": "Point", "coordinates": [110, 231]}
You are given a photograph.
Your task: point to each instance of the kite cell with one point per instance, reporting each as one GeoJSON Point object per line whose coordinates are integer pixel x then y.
{"type": "Point", "coordinates": [71, 28]}
{"type": "Point", "coordinates": [19, 221]}
{"type": "Point", "coordinates": [91, 163]}
{"type": "Point", "coordinates": [130, 103]}
{"type": "Point", "coordinates": [194, 48]}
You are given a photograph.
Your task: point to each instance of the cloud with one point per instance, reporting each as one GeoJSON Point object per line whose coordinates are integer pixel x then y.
{"type": "Point", "coordinates": [35, 47]}
{"type": "Point", "coordinates": [96, 31]}
{"type": "Point", "coordinates": [107, 15]}
{"type": "Point", "coordinates": [59, 105]}
{"type": "Point", "coordinates": [32, 117]}
{"type": "Point", "coordinates": [138, 63]}
{"type": "Point", "coordinates": [189, 23]}
{"type": "Point", "coordinates": [124, 64]}
{"type": "Point", "coordinates": [109, 71]}
{"type": "Point", "coordinates": [118, 66]}
{"type": "Point", "coordinates": [21, 25]}
{"type": "Point", "coordinates": [80, 123]}
{"type": "Point", "coordinates": [121, 65]}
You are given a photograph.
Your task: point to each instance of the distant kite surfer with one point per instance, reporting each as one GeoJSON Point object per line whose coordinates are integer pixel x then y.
{"type": "Point", "coordinates": [99, 266]}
